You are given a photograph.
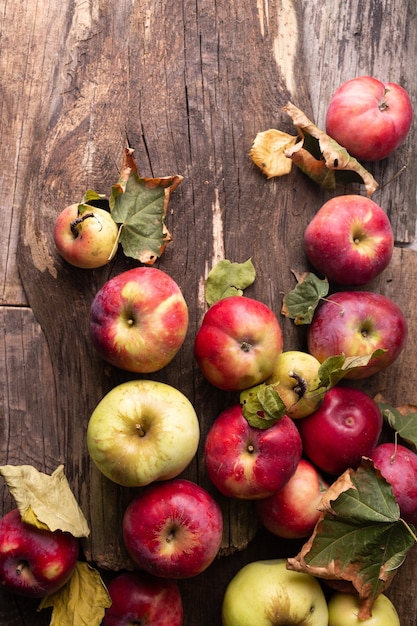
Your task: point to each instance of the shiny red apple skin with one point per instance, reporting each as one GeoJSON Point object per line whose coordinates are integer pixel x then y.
{"type": "Point", "coordinates": [140, 598]}
{"type": "Point", "coordinates": [139, 320]}
{"type": "Point", "coordinates": [238, 343]}
{"type": "Point", "coordinates": [173, 529]}
{"type": "Point", "coordinates": [34, 562]}
{"type": "Point", "coordinates": [346, 427]}
{"type": "Point", "coordinates": [356, 323]}
{"type": "Point", "coordinates": [292, 512]}
{"type": "Point", "coordinates": [250, 463]}
{"type": "Point", "coordinates": [369, 118]}
{"type": "Point", "coordinates": [349, 240]}
{"type": "Point", "coordinates": [398, 465]}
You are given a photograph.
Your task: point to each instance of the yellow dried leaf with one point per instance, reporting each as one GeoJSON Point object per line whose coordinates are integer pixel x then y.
{"type": "Point", "coordinates": [268, 152]}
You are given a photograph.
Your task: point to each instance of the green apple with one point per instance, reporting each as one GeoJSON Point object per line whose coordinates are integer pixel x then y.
{"type": "Point", "coordinates": [266, 593]}
{"type": "Point", "coordinates": [296, 379]}
{"type": "Point", "coordinates": [143, 431]}
{"type": "Point", "coordinates": [344, 607]}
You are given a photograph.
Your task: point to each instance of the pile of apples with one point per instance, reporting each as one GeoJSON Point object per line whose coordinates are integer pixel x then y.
{"type": "Point", "coordinates": [144, 433]}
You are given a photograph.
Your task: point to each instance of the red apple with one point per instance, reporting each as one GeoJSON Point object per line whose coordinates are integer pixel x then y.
{"type": "Point", "coordinates": [346, 427]}
{"type": "Point", "coordinates": [369, 118]}
{"type": "Point", "coordinates": [140, 598]}
{"type": "Point", "coordinates": [398, 465]}
{"type": "Point", "coordinates": [34, 562]}
{"type": "Point", "coordinates": [85, 236]}
{"type": "Point", "coordinates": [139, 320]}
{"type": "Point", "coordinates": [356, 323]}
{"type": "Point", "coordinates": [292, 512]}
{"type": "Point", "coordinates": [250, 463]}
{"type": "Point", "coordinates": [173, 529]}
{"type": "Point", "coordinates": [238, 343]}
{"type": "Point", "coordinates": [349, 240]}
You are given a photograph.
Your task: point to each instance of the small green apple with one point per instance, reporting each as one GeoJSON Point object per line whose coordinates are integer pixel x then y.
{"type": "Point", "coordinates": [296, 379]}
{"type": "Point", "coordinates": [266, 593]}
{"type": "Point", "coordinates": [142, 431]}
{"type": "Point", "coordinates": [344, 608]}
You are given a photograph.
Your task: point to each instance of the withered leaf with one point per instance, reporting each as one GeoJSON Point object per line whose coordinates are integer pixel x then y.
{"type": "Point", "coordinates": [268, 152]}
{"type": "Point", "coordinates": [228, 279]}
{"type": "Point", "coordinates": [359, 537]}
{"type": "Point", "coordinates": [44, 500]}
{"type": "Point", "coordinates": [140, 205]}
{"type": "Point", "coordinates": [82, 601]}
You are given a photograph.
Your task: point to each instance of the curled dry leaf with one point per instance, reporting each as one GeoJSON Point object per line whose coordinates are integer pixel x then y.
{"type": "Point", "coordinates": [268, 152]}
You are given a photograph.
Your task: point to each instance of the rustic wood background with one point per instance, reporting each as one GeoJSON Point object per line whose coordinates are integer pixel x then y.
{"type": "Point", "coordinates": [188, 85]}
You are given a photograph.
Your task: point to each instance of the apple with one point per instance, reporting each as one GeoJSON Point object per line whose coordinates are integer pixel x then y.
{"type": "Point", "coordinates": [140, 598]}
{"type": "Point", "coordinates": [369, 118]}
{"type": "Point", "coordinates": [356, 323]}
{"type": "Point", "coordinates": [266, 593]}
{"type": "Point", "coordinates": [173, 529]}
{"type": "Point", "coordinates": [85, 236]}
{"type": "Point", "coordinates": [346, 427]}
{"type": "Point", "coordinates": [398, 465]}
{"type": "Point", "coordinates": [142, 431]}
{"type": "Point", "coordinates": [139, 320]}
{"type": "Point", "coordinates": [349, 240]}
{"type": "Point", "coordinates": [238, 343]}
{"type": "Point", "coordinates": [250, 463]}
{"type": "Point", "coordinates": [292, 511]}
{"type": "Point", "coordinates": [344, 608]}
{"type": "Point", "coordinates": [34, 562]}
{"type": "Point", "coordinates": [296, 379]}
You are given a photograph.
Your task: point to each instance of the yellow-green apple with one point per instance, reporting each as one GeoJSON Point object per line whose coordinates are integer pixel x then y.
{"type": "Point", "coordinates": [349, 240]}
{"type": "Point", "coordinates": [238, 343]}
{"type": "Point", "coordinates": [139, 320]}
{"type": "Point", "coordinates": [266, 593]}
{"type": "Point", "coordinates": [34, 562]}
{"type": "Point", "coordinates": [247, 462]}
{"type": "Point", "coordinates": [142, 431]}
{"type": "Point", "coordinates": [140, 598]}
{"type": "Point", "coordinates": [346, 427]}
{"type": "Point", "coordinates": [398, 465]}
{"type": "Point", "coordinates": [357, 323]}
{"type": "Point", "coordinates": [85, 236]}
{"type": "Point", "coordinates": [296, 379]}
{"type": "Point", "coordinates": [344, 609]}
{"type": "Point", "coordinates": [292, 511]}
{"type": "Point", "coordinates": [173, 529]}
{"type": "Point", "coordinates": [369, 118]}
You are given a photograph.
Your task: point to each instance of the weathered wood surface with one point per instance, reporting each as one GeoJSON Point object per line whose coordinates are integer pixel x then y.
{"type": "Point", "coordinates": [189, 88]}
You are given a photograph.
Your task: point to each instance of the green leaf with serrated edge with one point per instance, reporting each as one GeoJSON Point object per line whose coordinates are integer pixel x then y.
{"type": "Point", "coordinates": [262, 406]}
{"type": "Point", "coordinates": [334, 368]}
{"type": "Point", "coordinates": [404, 425]}
{"type": "Point", "coordinates": [228, 279]}
{"type": "Point", "coordinates": [44, 500]}
{"type": "Point", "coordinates": [140, 206]}
{"type": "Point", "coordinates": [301, 302]}
{"type": "Point", "coordinates": [82, 601]}
{"type": "Point", "coordinates": [360, 536]}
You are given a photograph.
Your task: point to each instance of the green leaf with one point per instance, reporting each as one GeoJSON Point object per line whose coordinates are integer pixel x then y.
{"type": "Point", "coordinates": [404, 424]}
{"type": "Point", "coordinates": [140, 205]}
{"type": "Point", "coordinates": [262, 406]}
{"type": "Point", "coordinates": [228, 279]}
{"type": "Point", "coordinates": [360, 537]}
{"type": "Point", "coordinates": [82, 601]}
{"type": "Point", "coordinates": [44, 500]}
{"type": "Point", "coordinates": [301, 302]}
{"type": "Point", "coordinates": [334, 368]}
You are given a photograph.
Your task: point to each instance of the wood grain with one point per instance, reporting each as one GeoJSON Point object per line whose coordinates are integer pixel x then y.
{"type": "Point", "coordinates": [189, 89]}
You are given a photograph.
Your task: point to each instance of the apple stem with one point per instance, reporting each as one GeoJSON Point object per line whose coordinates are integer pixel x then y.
{"type": "Point", "coordinates": [140, 430]}
{"type": "Point", "coordinates": [79, 220]}
{"type": "Point", "coordinates": [301, 386]}
{"type": "Point", "coordinates": [22, 565]}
